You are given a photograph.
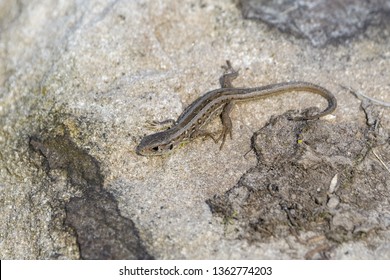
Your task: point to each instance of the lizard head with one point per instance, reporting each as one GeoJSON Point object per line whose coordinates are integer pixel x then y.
{"type": "Point", "coordinates": [155, 145]}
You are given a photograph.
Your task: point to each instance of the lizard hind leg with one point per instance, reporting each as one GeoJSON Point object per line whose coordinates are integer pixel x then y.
{"type": "Point", "coordinates": [227, 125]}
{"type": "Point", "coordinates": [230, 74]}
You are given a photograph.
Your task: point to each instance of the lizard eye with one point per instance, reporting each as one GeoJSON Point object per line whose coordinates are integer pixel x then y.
{"type": "Point", "coordinates": [155, 148]}
{"type": "Point", "coordinates": [171, 146]}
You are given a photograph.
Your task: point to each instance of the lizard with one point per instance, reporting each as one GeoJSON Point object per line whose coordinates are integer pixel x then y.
{"type": "Point", "coordinates": [220, 101]}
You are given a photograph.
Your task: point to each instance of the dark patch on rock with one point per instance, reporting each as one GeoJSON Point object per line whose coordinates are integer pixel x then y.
{"type": "Point", "coordinates": [61, 153]}
{"type": "Point", "coordinates": [101, 231]}
{"type": "Point", "coordinates": [320, 21]}
{"type": "Point", "coordinates": [311, 177]}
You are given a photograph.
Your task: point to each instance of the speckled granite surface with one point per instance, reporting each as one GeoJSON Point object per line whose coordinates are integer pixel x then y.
{"type": "Point", "coordinates": [79, 80]}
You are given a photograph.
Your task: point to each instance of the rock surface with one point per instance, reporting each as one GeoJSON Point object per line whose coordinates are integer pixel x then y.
{"type": "Point", "coordinates": [320, 21]}
{"type": "Point", "coordinates": [79, 80]}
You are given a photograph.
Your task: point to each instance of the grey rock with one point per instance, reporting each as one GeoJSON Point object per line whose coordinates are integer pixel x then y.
{"type": "Point", "coordinates": [320, 21]}
{"type": "Point", "coordinates": [80, 80]}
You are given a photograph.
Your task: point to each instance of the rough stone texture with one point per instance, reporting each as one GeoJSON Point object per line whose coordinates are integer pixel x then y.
{"type": "Point", "coordinates": [320, 21]}
{"type": "Point", "coordinates": [101, 231]}
{"type": "Point", "coordinates": [95, 72]}
{"type": "Point", "coordinates": [303, 186]}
